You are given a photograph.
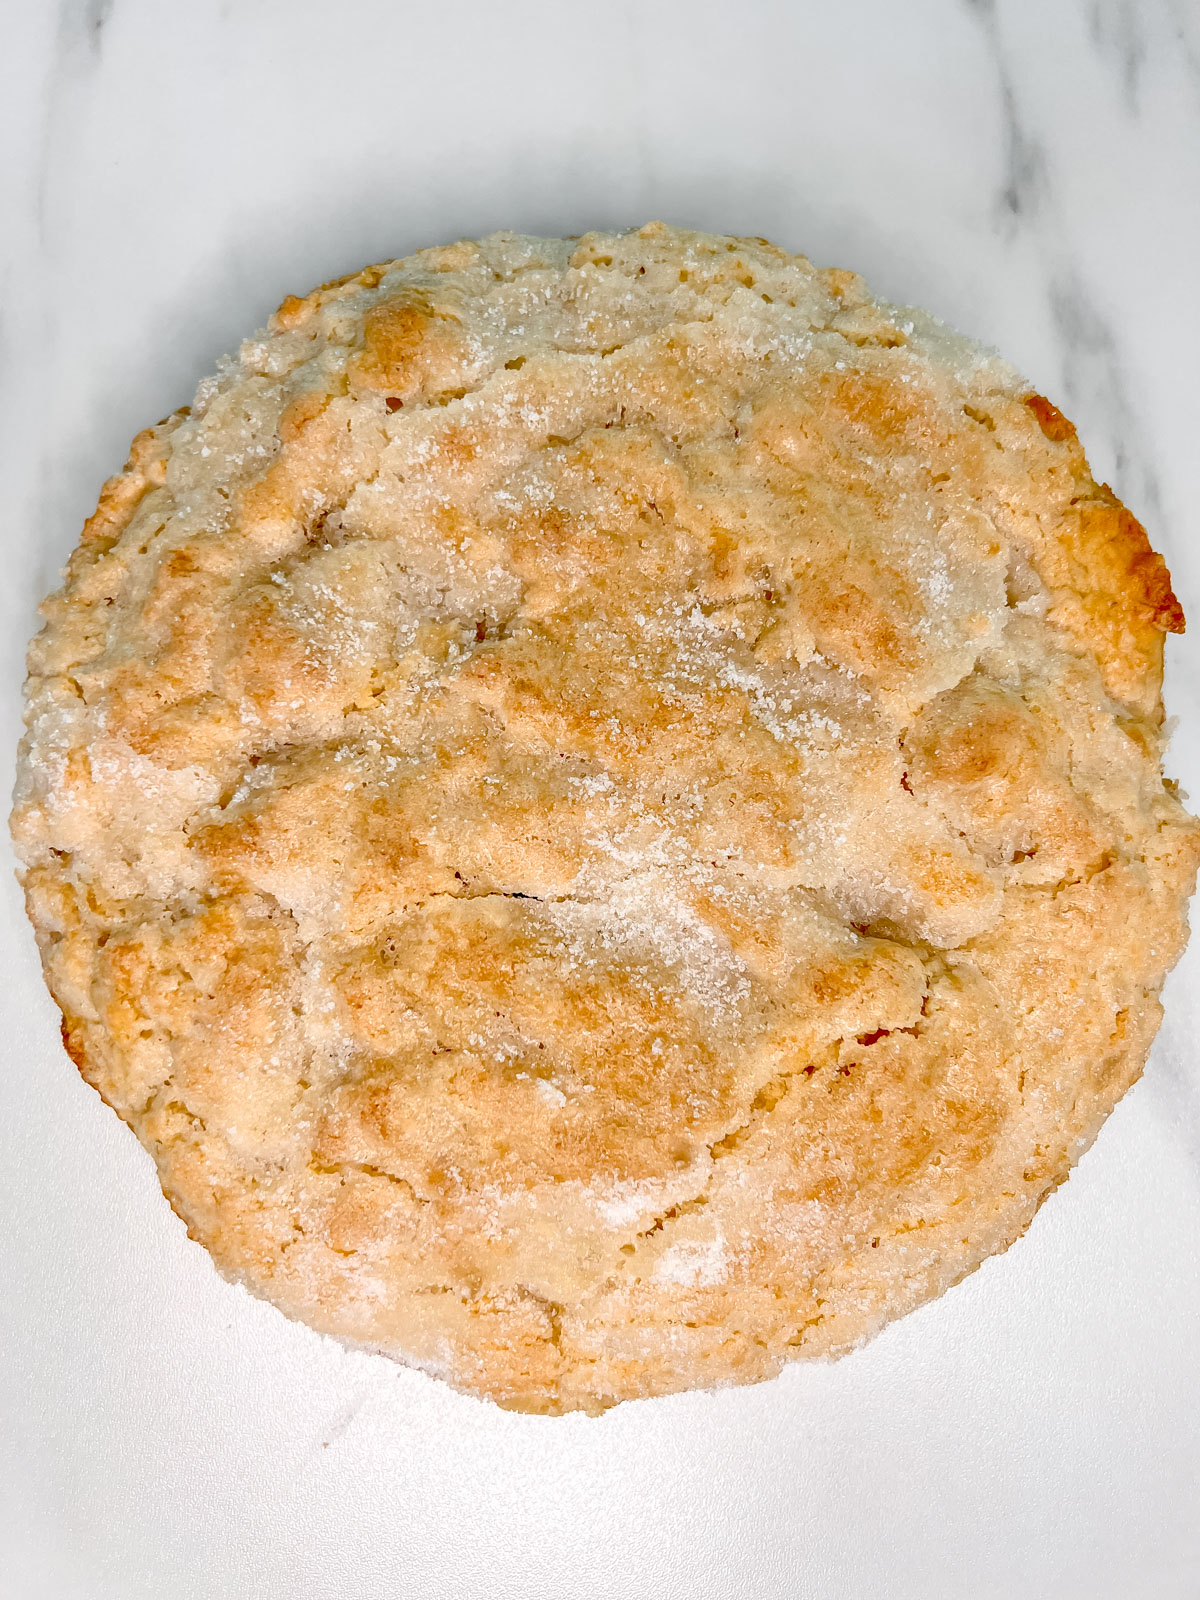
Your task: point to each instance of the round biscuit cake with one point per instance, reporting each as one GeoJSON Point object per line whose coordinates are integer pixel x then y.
{"type": "Point", "coordinates": [596, 804]}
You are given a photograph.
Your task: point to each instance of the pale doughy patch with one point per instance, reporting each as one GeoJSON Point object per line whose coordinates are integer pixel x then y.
{"type": "Point", "coordinates": [596, 804]}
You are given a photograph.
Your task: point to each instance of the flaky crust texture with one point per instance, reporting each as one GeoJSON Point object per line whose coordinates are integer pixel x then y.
{"type": "Point", "coordinates": [596, 804]}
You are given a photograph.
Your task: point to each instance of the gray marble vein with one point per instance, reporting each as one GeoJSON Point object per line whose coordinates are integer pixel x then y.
{"type": "Point", "coordinates": [1093, 383]}
{"type": "Point", "coordinates": [1184, 43]}
{"type": "Point", "coordinates": [95, 14]}
{"type": "Point", "coordinates": [76, 54]}
{"type": "Point", "coordinates": [1025, 169]}
{"type": "Point", "coordinates": [1119, 29]}
{"type": "Point", "coordinates": [1094, 379]}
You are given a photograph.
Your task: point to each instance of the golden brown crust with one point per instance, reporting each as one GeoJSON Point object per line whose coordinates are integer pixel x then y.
{"type": "Point", "coordinates": [145, 469]}
{"type": "Point", "coordinates": [597, 805]}
{"type": "Point", "coordinates": [1057, 428]}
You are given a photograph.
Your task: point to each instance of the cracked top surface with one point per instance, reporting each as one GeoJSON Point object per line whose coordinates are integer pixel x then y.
{"type": "Point", "coordinates": [597, 806]}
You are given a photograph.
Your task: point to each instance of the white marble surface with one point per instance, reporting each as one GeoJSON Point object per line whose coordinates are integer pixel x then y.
{"type": "Point", "coordinates": [1029, 169]}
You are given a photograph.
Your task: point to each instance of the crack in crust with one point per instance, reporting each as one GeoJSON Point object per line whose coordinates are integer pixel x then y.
{"type": "Point", "coordinates": [597, 805]}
